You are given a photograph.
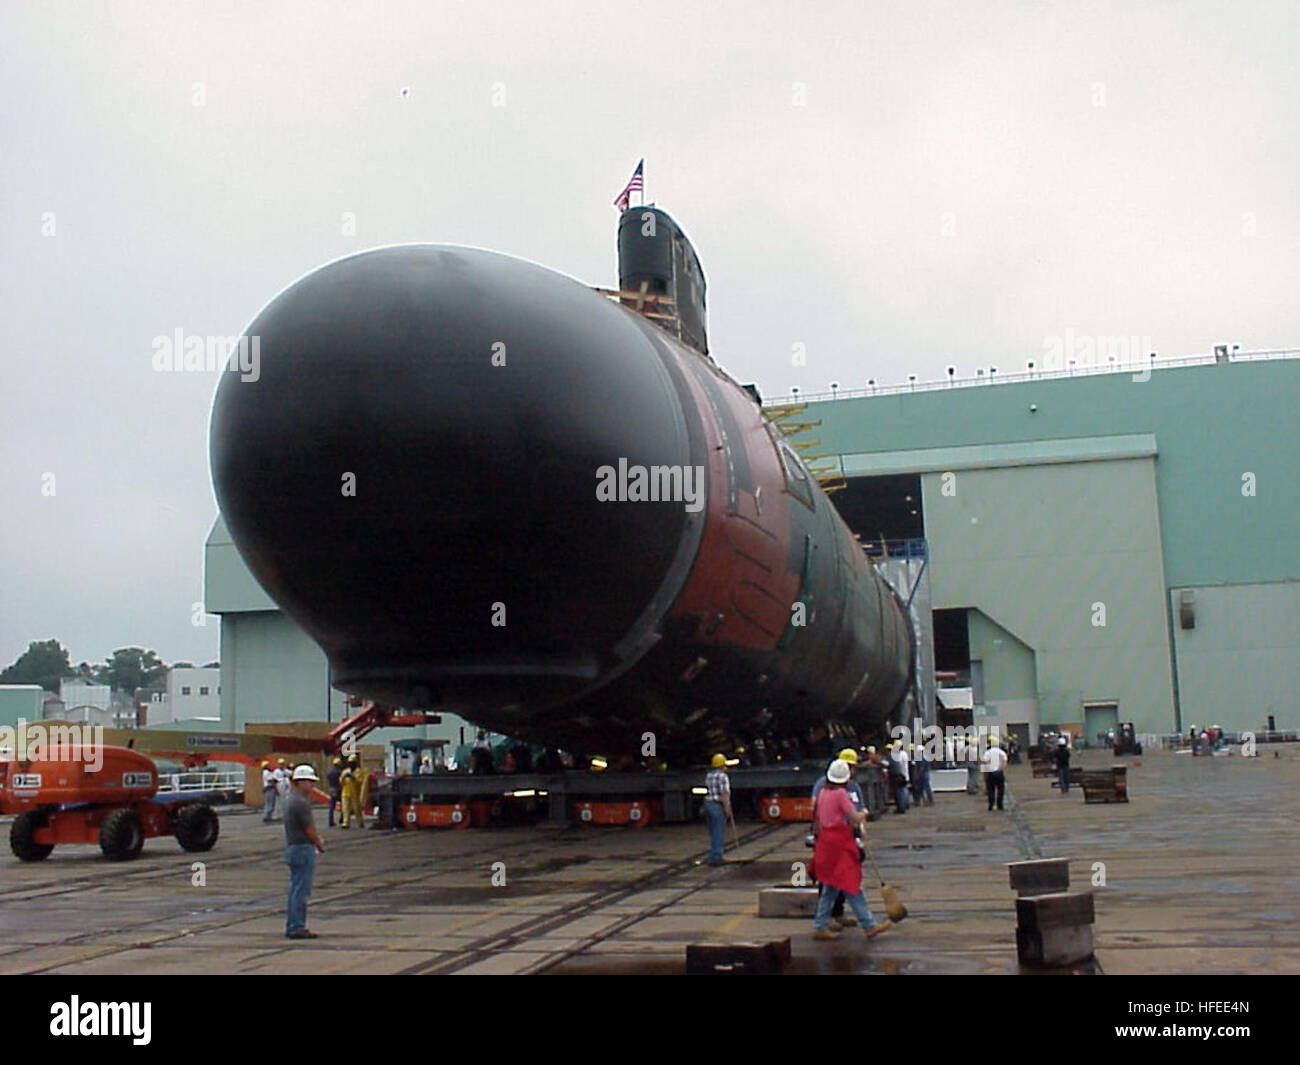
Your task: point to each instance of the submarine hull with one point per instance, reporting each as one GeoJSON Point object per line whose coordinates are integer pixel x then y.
{"type": "Point", "coordinates": [481, 487]}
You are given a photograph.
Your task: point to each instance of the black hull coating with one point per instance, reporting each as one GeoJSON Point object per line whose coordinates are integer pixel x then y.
{"type": "Point", "coordinates": [413, 479]}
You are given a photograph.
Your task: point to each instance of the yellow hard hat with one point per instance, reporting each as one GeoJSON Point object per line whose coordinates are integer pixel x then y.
{"type": "Point", "coordinates": [848, 755]}
{"type": "Point", "coordinates": [338, 761]}
{"type": "Point", "coordinates": [283, 762]}
{"type": "Point", "coordinates": [719, 760]}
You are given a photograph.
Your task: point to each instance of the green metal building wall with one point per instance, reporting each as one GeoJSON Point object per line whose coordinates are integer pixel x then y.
{"type": "Point", "coordinates": [1116, 489]}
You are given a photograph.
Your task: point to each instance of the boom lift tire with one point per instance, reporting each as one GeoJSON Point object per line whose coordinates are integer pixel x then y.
{"type": "Point", "coordinates": [121, 836]}
{"type": "Point", "coordinates": [20, 837]}
{"type": "Point", "coordinates": [197, 827]}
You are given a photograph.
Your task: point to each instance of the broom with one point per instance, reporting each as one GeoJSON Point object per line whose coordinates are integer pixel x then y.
{"type": "Point", "coordinates": [893, 904]}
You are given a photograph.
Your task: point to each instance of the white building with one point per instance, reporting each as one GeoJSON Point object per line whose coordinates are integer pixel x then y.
{"type": "Point", "coordinates": [86, 701]}
{"type": "Point", "coordinates": [192, 692]}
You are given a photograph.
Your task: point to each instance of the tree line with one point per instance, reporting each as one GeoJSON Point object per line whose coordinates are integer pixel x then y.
{"type": "Point", "coordinates": [46, 662]}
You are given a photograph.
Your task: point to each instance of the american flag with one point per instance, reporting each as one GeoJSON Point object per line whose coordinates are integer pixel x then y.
{"type": "Point", "coordinates": [635, 184]}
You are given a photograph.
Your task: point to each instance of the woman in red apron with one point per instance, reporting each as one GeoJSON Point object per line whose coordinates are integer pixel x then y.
{"type": "Point", "coordinates": [836, 862]}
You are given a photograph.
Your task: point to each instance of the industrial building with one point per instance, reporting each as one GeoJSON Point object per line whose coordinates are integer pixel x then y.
{"type": "Point", "coordinates": [21, 702]}
{"type": "Point", "coordinates": [1105, 544]}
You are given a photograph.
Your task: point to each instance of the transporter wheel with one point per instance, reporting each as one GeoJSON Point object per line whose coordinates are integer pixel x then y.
{"type": "Point", "coordinates": [121, 836]}
{"type": "Point", "coordinates": [197, 827]}
{"type": "Point", "coordinates": [20, 836]}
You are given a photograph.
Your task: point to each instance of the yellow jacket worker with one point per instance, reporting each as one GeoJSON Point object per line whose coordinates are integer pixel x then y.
{"type": "Point", "coordinates": [352, 782]}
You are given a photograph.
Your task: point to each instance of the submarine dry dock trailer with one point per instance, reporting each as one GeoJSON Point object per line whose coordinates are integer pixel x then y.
{"type": "Point", "coordinates": [773, 793]}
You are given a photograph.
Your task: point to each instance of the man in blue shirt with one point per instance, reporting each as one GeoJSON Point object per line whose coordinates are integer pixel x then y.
{"type": "Point", "coordinates": [717, 807]}
{"type": "Point", "coordinates": [849, 755]}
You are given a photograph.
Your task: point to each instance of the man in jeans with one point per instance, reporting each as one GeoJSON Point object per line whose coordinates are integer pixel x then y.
{"type": "Point", "coordinates": [1062, 757]}
{"type": "Point", "coordinates": [850, 758]}
{"type": "Point", "coordinates": [269, 794]}
{"type": "Point", "coordinates": [837, 861]}
{"type": "Point", "coordinates": [899, 774]}
{"type": "Point", "coordinates": [994, 765]}
{"type": "Point", "coordinates": [334, 779]}
{"type": "Point", "coordinates": [301, 842]}
{"type": "Point", "coordinates": [717, 807]}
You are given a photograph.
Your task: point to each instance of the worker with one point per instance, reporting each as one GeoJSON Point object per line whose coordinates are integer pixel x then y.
{"type": "Point", "coordinates": [269, 793]}
{"type": "Point", "coordinates": [301, 844]}
{"type": "Point", "coordinates": [921, 790]}
{"type": "Point", "coordinates": [837, 863]}
{"type": "Point", "coordinates": [898, 774]}
{"type": "Point", "coordinates": [850, 758]}
{"type": "Point", "coordinates": [332, 778]}
{"type": "Point", "coordinates": [717, 807]}
{"type": "Point", "coordinates": [993, 766]}
{"type": "Point", "coordinates": [351, 782]}
{"type": "Point", "coordinates": [480, 758]}
{"type": "Point", "coordinates": [913, 775]}
{"type": "Point", "coordinates": [282, 781]}
{"type": "Point", "coordinates": [1061, 756]}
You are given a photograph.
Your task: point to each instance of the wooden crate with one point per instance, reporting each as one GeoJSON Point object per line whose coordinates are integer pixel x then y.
{"type": "Point", "coordinates": [1106, 785]}
{"type": "Point", "coordinates": [748, 958]}
{"type": "Point", "coordinates": [1042, 876]}
{"type": "Point", "coordinates": [1054, 930]}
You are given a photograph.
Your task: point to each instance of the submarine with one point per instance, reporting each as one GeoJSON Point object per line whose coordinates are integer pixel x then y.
{"type": "Point", "coordinates": [486, 488]}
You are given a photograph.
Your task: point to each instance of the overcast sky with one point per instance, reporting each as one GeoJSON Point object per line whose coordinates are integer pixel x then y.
{"type": "Point", "coordinates": [894, 186]}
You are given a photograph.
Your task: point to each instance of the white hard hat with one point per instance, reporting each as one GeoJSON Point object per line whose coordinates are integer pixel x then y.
{"type": "Point", "coordinates": [838, 773]}
{"type": "Point", "coordinates": [305, 772]}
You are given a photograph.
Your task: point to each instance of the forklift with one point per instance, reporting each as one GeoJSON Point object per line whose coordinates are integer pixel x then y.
{"type": "Point", "coordinates": [1126, 740]}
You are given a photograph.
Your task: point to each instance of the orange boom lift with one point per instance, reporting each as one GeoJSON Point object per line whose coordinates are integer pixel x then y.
{"type": "Point", "coordinates": [61, 799]}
